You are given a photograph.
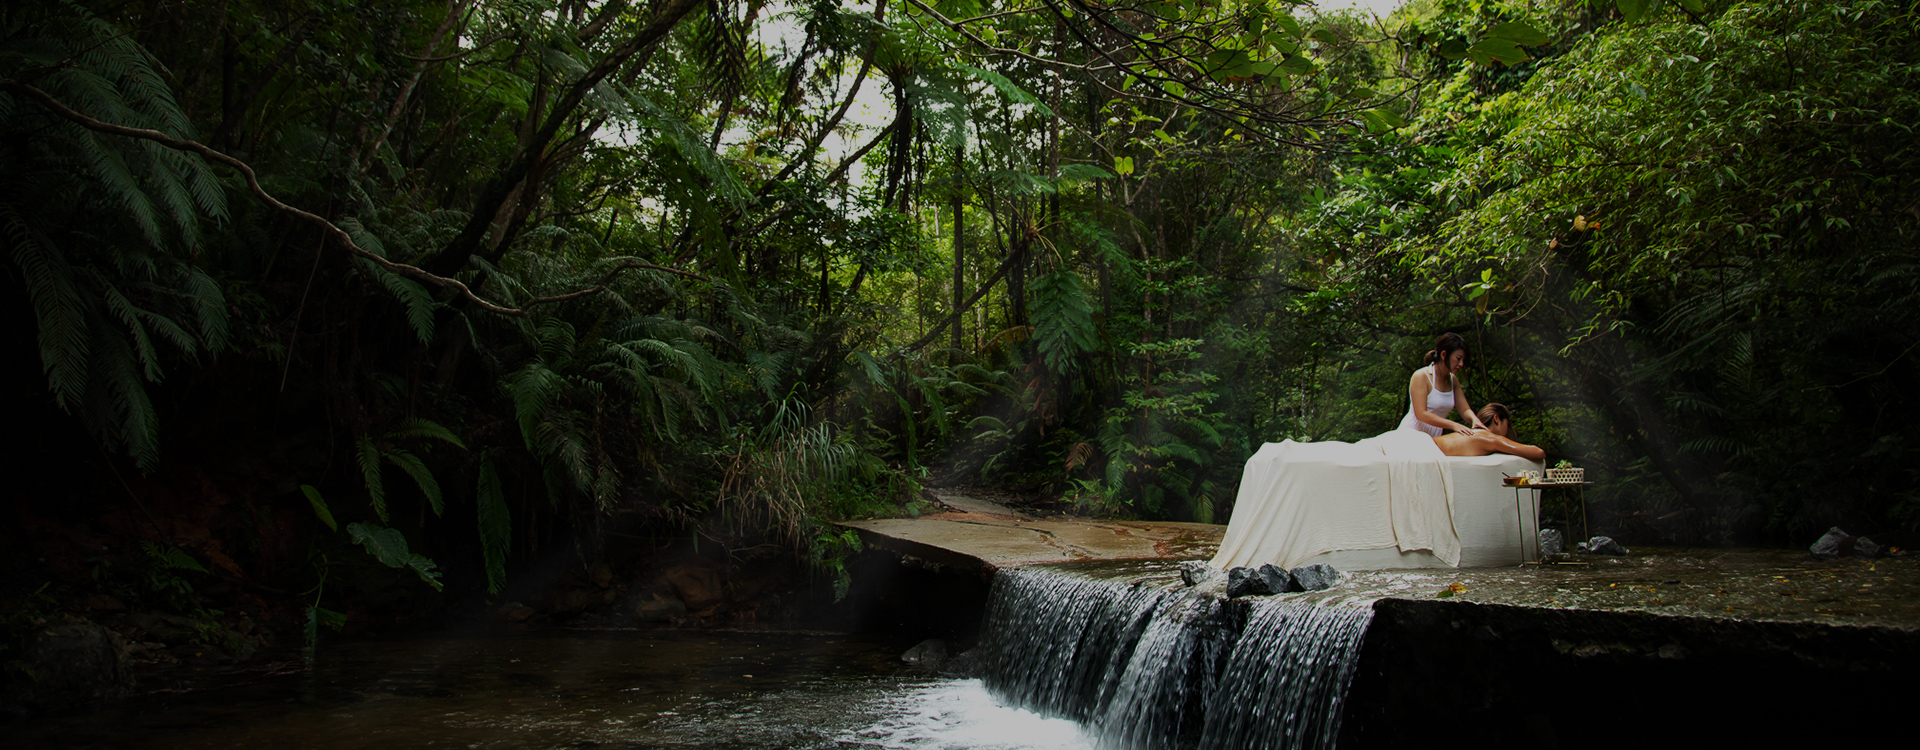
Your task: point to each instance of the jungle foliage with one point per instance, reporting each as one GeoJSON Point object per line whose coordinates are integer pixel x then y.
{"type": "Point", "coordinates": [498, 274]}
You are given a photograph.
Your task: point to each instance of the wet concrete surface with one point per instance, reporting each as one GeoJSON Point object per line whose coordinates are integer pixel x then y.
{"type": "Point", "coordinates": [1744, 584]}
{"type": "Point", "coordinates": [1747, 584]}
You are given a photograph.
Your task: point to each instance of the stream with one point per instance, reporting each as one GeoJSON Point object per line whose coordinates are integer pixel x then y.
{"type": "Point", "coordinates": [579, 689]}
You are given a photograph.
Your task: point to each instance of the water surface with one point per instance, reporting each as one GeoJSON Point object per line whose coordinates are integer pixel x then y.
{"type": "Point", "coordinates": [570, 689]}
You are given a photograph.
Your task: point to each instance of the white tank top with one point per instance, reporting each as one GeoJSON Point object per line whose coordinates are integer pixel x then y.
{"type": "Point", "coordinates": [1439, 402]}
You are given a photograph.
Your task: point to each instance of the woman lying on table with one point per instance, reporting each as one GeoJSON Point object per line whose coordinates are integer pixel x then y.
{"type": "Point", "coordinates": [1496, 438]}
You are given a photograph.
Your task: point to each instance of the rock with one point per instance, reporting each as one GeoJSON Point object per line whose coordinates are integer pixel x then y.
{"type": "Point", "coordinates": [73, 661]}
{"type": "Point", "coordinates": [1261, 581]}
{"type": "Point", "coordinates": [1316, 577]}
{"type": "Point", "coordinates": [964, 665]}
{"type": "Point", "coordinates": [600, 575]}
{"type": "Point", "coordinates": [660, 610]}
{"type": "Point", "coordinates": [1279, 581]}
{"type": "Point", "coordinates": [1551, 543]}
{"type": "Point", "coordinates": [698, 587]}
{"type": "Point", "coordinates": [1240, 582]}
{"type": "Point", "coordinates": [1830, 545]}
{"type": "Point", "coordinates": [572, 601]}
{"type": "Point", "coordinates": [1864, 547]}
{"type": "Point", "coordinates": [173, 630]}
{"type": "Point", "coordinates": [103, 603]}
{"type": "Point", "coordinates": [522, 614]}
{"type": "Point", "coordinates": [1605, 545]}
{"type": "Point", "coordinates": [1196, 572]}
{"type": "Point", "coordinates": [928, 653]}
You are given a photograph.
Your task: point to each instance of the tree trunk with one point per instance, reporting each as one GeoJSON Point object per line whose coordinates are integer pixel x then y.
{"type": "Point", "coordinates": [959, 237]}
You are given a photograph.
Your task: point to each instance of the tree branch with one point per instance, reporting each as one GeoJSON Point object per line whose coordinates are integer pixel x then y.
{"type": "Point", "coordinates": [339, 235]}
{"type": "Point", "coordinates": [607, 280]}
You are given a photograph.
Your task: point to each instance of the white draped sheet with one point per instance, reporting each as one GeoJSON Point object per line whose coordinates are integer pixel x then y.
{"type": "Point", "coordinates": [1397, 490]}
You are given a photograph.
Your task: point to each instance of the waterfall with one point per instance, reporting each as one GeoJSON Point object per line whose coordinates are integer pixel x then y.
{"type": "Point", "coordinates": [1145, 666]}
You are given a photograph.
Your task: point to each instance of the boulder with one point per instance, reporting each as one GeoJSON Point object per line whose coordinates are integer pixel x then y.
{"type": "Point", "coordinates": [1261, 581]}
{"type": "Point", "coordinates": [1831, 544]}
{"type": "Point", "coordinates": [1240, 582]}
{"type": "Point", "coordinates": [73, 661]}
{"type": "Point", "coordinates": [172, 630]}
{"type": "Point", "coordinates": [1316, 577]}
{"type": "Point", "coordinates": [698, 587]}
{"type": "Point", "coordinates": [600, 575]}
{"type": "Point", "coordinates": [1551, 542]}
{"type": "Point", "coordinates": [660, 610]}
{"type": "Point", "coordinates": [1864, 547]}
{"type": "Point", "coordinates": [964, 665]}
{"type": "Point", "coordinates": [1605, 545]}
{"type": "Point", "coordinates": [572, 601]}
{"type": "Point", "coordinates": [930, 653]}
{"type": "Point", "coordinates": [1279, 581]}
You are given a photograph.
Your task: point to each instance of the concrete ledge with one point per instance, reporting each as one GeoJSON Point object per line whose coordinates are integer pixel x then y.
{"type": "Point", "coordinates": [984, 543]}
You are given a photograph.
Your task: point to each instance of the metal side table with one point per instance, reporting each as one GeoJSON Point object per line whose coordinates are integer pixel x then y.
{"type": "Point", "coordinates": [1520, 515]}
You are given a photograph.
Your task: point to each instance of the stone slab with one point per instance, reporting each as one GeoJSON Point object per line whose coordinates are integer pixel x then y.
{"type": "Point", "coordinates": [978, 541]}
{"type": "Point", "coordinates": [965, 504]}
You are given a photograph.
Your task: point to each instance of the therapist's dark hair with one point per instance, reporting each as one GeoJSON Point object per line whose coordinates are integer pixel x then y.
{"type": "Point", "coordinates": [1449, 343]}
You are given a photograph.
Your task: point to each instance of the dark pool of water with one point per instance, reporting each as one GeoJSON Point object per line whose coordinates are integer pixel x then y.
{"type": "Point", "coordinates": [570, 689]}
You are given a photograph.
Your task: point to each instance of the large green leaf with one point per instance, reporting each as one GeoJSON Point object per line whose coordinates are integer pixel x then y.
{"type": "Point", "coordinates": [1519, 32]}
{"type": "Point", "coordinates": [319, 506]}
{"type": "Point", "coordinates": [390, 548]}
{"type": "Point", "coordinates": [1504, 51]}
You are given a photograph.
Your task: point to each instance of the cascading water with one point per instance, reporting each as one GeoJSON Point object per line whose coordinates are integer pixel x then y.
{"type": "Point", "coordinates": [1145, 666]}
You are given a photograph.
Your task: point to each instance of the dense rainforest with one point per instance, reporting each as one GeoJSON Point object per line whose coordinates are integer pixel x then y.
{"type": "Point", "coordinates": [344, 315]}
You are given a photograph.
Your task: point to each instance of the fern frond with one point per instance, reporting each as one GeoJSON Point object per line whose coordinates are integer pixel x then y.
{"type": "Point", "coordinates": [414, 467]}
{"type": "Point", "coordinates": [496, 526]}
{"type": "Point", "coordinates": [563, 453]}
{"type": "Point", "coordinates": [124, 310]}
{"type": "Point", "coordinates": [367, 456]}
{"type": "Point", "coordinates": [556, 340]}
{"type": "Point", "coordinates": [57, 307]}
{"type": "Point", "coordinates": [419, 302]}
{"type": "Point", "coordinates": [121, 187]}
{"type": "Point", "coordinates": [122, 413]}
{"type": "Point", "coordinates": [534, 389]}
{"type": "Point", "coordinates": [426, 428]}
{"type": "Point", "coordinates": [210, 308]}
{"type": "Point", "coordinates": [164, 178]}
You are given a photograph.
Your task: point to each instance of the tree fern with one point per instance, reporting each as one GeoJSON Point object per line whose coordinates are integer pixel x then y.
{"type": "Point", "coordinates": [1062, 319]}
{"type": "Point", "coordinates": [104, 231]}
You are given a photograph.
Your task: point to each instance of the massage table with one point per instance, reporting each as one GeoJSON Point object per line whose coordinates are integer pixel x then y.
{"type": "Point", "coordinates": [1392, 501]}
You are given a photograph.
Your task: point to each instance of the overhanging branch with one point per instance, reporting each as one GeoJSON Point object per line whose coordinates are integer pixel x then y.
{"type": "Point", "coordinates": [327, 227]}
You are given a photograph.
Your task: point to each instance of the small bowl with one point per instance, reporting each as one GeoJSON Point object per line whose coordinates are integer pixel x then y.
{"type": "Point", "coordinates": [1514, 481]}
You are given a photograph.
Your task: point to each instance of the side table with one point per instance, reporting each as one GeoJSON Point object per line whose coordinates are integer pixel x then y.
{"type": "Point", "coordinates": [1520, 516]}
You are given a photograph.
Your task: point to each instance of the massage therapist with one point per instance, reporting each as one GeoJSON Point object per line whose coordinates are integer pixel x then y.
{"type": "Point", "coordinates": [1436, 387]}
